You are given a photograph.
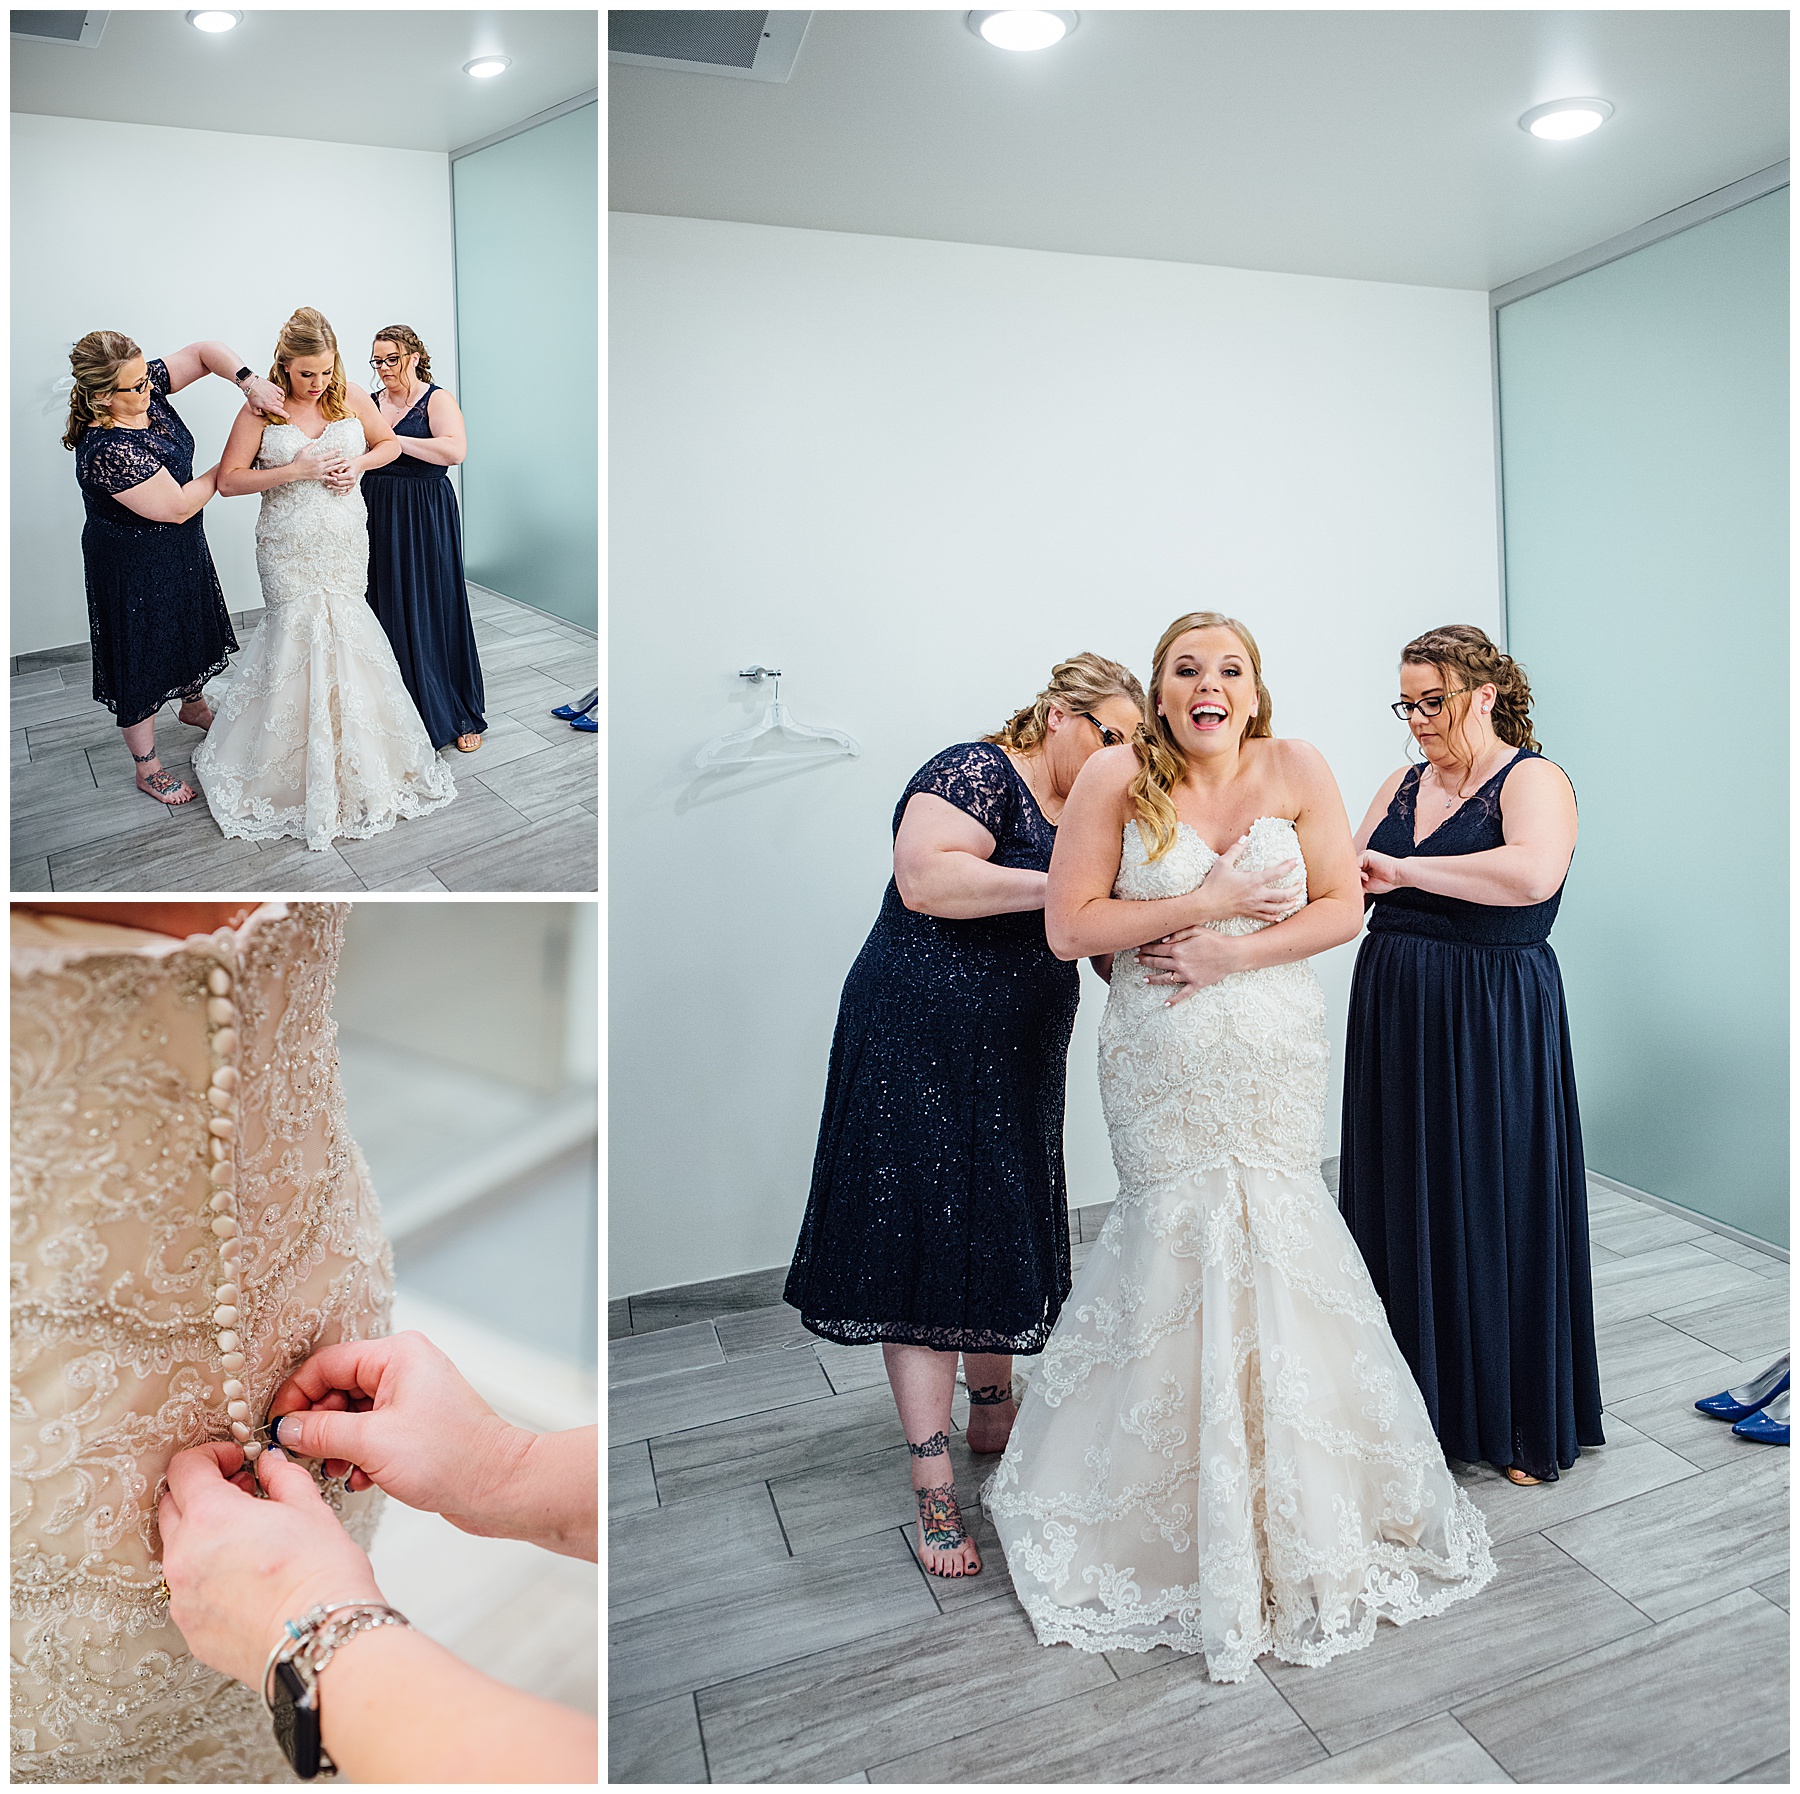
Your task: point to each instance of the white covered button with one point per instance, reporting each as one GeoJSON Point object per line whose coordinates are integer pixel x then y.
{"type": "Point", "coordinates": [218, 981]}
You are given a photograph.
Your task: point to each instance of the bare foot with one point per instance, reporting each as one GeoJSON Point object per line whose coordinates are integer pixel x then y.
{"type": "Point", "coordinates": [945, 1548]}
{"type": "Point", "coordinates": [202, 717]}
{"type": "Point", "coordinates": [154, 782]}
{"type": "Point", "coordinates": [991, 1416]}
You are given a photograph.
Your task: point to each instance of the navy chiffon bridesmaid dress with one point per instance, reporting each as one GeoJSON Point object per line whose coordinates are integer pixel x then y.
{"type": "Point", "coordinates": [1461, 1174]}
{"type": "Point", "coordinates": [416, 585]}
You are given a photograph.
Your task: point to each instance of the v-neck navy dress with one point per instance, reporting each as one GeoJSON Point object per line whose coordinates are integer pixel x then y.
{"type": "Point", "coordinates": [156, 613]}
{"type": "Point", "coordinates": [1461, 1174]}
{"type": "Point", "coordinates": [938, 1214]}
{"type": "Point", "coordinates": [416, 585]}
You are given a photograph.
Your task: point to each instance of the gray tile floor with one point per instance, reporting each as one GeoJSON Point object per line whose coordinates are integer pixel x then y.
{"type": "Point", "coordinates": [525, 816]}
{"type": "Point", "coordinates": [769, 1621]}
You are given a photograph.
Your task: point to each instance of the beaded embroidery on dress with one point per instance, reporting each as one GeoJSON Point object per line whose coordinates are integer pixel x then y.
{"type": "Point", "coordinates": [115, 1349]}
{"type": "Point", "coordinates": [315, 734]}
{"type": "Point", "coordinates": [1221, 1448]}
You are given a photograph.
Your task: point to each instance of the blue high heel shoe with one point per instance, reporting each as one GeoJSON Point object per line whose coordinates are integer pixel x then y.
{"type": "Point", "coordinates": [1739, 1403]}
{"type": "Point", "coordinates": [1770, 1426]}
{"type": "Point", "coordinates": [585, 724]}
{"type": "Point", "coordinates": [569, 712]}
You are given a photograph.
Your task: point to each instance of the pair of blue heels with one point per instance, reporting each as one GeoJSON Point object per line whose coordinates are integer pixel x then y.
{"type": "Point", "coordinates": [580, 716]}
{"type": "Point", "coordinates": [1758, 1408]}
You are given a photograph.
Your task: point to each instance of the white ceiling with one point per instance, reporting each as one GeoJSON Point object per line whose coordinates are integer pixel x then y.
{"type": "Point", "coordinates": [389, 78]}
{"type": "Point", "coordinates": [1373, 145]}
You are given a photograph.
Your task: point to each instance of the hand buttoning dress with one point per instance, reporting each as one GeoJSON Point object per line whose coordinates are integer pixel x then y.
{"type": "Point", "coordinates": [315, 735]}
{"type": "Point", "coordinates": [115, 1363]}
{"type": "Point", "coordinates": [1222, 1449]}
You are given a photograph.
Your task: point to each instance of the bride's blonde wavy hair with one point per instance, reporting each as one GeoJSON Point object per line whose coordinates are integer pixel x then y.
{"type": "Point", "coordinates": [307, 333]}
{"type": "Point", "coordinates": [1161, 764]}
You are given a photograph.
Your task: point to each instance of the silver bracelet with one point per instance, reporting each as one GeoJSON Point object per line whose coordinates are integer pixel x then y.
{"type": "Point", "coordinates": [300, 1637]}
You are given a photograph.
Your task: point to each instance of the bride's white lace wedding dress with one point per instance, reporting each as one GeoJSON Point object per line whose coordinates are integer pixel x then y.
{"type": "Point", "coordinates": [115, 1363]}
{"type": "Point", "coordinates": [1221, 1448]}
{"type": "Point", "coordinates": [315, 733]}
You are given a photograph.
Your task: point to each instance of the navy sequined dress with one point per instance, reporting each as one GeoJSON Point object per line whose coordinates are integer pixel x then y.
{"type": "Point", "coordinates": [1461, 1174]}
{"type": "Point", "coordinates": [938, 1214]}
{"type": "Point", "coordinates": [416, 585]}
{"type": "Point", "coordinates": [156, 614]}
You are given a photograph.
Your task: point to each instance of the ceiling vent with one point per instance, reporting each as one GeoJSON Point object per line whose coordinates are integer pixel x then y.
{"type": "Point", "coordinates": [747, 46]}
{"type": "Point", "coordinates": [59, 27]}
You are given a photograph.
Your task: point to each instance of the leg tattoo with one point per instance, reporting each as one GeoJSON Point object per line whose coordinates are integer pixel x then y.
{"type": "Point", "coordinates": [988, 1395]}
{"type": "Point", "coordinates": [934, 1447]}
{"type": "Point", "coordinates": [940, 1519]}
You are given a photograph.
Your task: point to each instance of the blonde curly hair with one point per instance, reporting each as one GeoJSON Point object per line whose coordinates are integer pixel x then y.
{"type": "Point", "coordinates": [94, 362]}
{"type": "Point", "coordinates": [1076, 684]}
{"type": "Point", "coordinates": [307, 333]}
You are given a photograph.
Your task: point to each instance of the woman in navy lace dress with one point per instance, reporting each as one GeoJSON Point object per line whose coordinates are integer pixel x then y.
{"type": "Point", "coordinates": [938, 1217]}
{"type": "Point", "coordinates": [156, 616]}
{"type": "Point", "coordinates": [415, 543]}
{"type": "Point", "coordinates": [1461, 1173]}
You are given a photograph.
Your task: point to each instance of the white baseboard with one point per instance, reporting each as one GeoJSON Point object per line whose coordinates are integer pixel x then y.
{"type": "Point", "coordinates": [1690, 1214]}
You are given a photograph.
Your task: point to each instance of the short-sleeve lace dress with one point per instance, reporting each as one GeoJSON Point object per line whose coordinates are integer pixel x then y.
{"type": "Point", "coordinates": [115, 1359]}
{"type": "Point", "coordinates": [156, 613]}
{"type": "Point", "coordinates": [938, 1214]}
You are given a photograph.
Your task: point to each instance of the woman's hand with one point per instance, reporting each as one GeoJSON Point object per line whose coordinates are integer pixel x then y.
{"type": "Point", "coordinates": [1226, 891]}
{"type": "Point", "coordinates": [319, 461]}
{"type": "Point", "coordinates": [1380, 872]}
{"type": "Point", "coordinates": [400, 1412]}
{"type": "Point", "coordinates": [264, 397]}
{"type": "Point", "coordinates": [1191, 959]}
{"type": "Point", "coordinates": [178, 919]}
{"type": "Point", "coordinates": [237, 1568]}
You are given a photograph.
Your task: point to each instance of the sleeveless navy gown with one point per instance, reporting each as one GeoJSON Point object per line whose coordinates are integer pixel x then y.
{"type": "Point", "coordinates": [1461, 1174]}
{"type": "Point", "coordinates": [416, 585]}
{"type": "Point", "coordinates": [938, 1214]}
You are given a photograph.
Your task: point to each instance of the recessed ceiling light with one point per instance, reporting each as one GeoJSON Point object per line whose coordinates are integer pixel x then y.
{"type": "Point", "coordinates": [213, 19]}
{"type": "Point", "coordinates": [1560, 120]}
{"type": "Point", "coordinates": [1021, 28]}
{"type": "Point", "coordinates": [483, 67]}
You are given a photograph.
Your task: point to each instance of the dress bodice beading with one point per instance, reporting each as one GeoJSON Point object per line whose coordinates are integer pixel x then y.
{"type": "Point", "coordinates": [1255, 1040]}
{"type": "Point", "coordinates": [115, 1359]}
{"type": "Point", "coordinates": [1475, 827]}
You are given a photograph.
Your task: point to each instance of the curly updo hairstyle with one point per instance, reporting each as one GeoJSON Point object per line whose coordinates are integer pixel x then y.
{"type": "Point", "coordinates": [95, 362]}
{"type": "Point", "coordinates": [1075, 685]}
{"type": "Point", "coordinates": [307, 333]}
{"type": "Point", "coordinates": [1465, 658]}
{"type": "Point", "coordinates": [1161, 763]}
{"type": "Point", "coordinates": [406, 340]}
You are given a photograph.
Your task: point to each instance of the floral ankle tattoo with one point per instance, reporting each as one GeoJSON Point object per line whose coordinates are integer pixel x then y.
{"type": "Point", "coordinates": [940, 1519]}
{"type": "Point", "coordinates": [988, 1395]}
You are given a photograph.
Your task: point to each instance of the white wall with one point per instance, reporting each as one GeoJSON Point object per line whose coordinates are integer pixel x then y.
{"type": "Point", "coordinates": [174, 237]}
{"type": "Point", "coordinates": [913, 475]}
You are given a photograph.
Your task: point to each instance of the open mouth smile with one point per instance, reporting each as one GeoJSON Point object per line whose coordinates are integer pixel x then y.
{"type": "Point", "coordinates": [1207, 717]}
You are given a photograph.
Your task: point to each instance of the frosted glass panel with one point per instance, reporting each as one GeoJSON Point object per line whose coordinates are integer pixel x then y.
{"type": "Point", "coordinates": [1644, 458]}
{"type": "Point", "coordinates": [527, 311]}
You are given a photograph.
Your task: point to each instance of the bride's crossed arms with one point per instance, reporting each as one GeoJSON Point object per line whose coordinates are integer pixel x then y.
{"type": "Point", "coordinates": [1279, 778]}
{"type": "Point", "coordinates": [309, 378]}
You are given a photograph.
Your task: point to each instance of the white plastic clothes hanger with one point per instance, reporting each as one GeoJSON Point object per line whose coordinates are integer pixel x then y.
{"type": "Point", "coordinates": [786, 738]}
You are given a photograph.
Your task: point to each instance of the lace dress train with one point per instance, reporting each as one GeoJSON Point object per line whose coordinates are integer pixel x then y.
{"type": "Point", "coordinates": [315, 735]}
{"type": "Point", "coordinates": [1221, 1448]}
{"type": "Point", "coordinates": [115, 1363]}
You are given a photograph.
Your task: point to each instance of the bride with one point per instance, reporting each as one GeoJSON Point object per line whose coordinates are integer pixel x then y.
{"type": "Point", "coordinates": [314, 732]}
{"type": "Point", "coordinates": [1221, 1448]}
{"type": "Point", "coordinates": [191, 1219]}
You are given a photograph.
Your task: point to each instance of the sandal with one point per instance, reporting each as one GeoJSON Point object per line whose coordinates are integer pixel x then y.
{"type": "Point", "coordinates": [467, 744]}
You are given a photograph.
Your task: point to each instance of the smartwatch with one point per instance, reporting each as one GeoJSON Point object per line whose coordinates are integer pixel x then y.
{"type": "Point", "coordinates": [242, 375]}
{"type": "Point", "coordinates": [294, 1709]}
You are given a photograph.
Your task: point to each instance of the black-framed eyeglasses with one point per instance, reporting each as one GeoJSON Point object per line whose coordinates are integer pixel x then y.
{"type": "Point", "coordinates": [1108, 737]}
{"type": "Point", "coordinates": [142, 386]}
{"type": "Point", "coordinates": [1431, 706]}
{"type": "Point", "coordinates": [378, 362]}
